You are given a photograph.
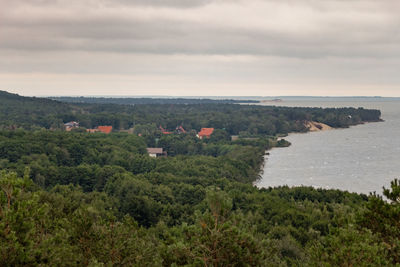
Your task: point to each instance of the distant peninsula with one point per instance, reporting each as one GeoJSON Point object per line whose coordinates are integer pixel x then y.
{"type": "Point", "coordinates": [148, 100]}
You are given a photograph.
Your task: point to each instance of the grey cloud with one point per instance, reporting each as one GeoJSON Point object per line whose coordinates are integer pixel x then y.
{"type": "Point", "coordinates": [167, 3]}
{"type": "Point", "coordinates": [169, 36]}
{"type": "Point", "coordinates": [160, 31]}
{"type": "Point", "coordinates": [282, 41]}
{"type": "Point", "coordinates": [148, 3]}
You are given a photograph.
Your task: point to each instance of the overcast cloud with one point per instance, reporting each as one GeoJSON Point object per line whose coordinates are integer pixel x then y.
{"type": "Point", "coordinates": [200, 47]}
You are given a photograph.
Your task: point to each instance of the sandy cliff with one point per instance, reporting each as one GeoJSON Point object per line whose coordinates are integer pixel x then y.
{"type": "Point", "coordinates": [314, 126]}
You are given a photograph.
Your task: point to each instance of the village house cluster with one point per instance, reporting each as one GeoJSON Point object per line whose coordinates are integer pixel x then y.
{"type": "Point", "coordinates": [152, 151]}
{"type": "Point", "coordinates": [101, 129]}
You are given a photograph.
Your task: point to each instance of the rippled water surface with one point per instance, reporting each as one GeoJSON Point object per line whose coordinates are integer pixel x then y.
{"type": "Point", "coordinates": [360, 159]}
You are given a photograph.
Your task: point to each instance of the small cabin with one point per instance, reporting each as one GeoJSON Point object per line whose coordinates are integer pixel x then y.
{"type": "Point", "coordinates": [71, 125]}
{"type": "Point", "coordinates": [156, 152]}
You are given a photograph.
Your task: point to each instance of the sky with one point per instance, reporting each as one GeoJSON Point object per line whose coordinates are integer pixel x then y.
{"type": "Point", "coordinates": [200, 47]}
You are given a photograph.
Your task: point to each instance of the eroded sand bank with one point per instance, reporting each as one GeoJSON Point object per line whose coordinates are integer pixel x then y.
{"type": "Point", "coordinates": [314, 126]}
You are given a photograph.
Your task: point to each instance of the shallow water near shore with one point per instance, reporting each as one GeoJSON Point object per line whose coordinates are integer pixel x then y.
{"type": "Point", "coordinates": [358, 159]}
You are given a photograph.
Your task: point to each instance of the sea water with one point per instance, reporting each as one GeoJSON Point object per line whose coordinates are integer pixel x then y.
{"type": "Point", "coordinates": [359, 159]}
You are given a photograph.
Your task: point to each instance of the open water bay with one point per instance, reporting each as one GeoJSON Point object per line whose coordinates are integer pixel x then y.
{"type": "Point", "coordinates": [359, 159]}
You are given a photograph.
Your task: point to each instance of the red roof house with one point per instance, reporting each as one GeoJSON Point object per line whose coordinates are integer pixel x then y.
{"type": "Point", "coordinates": [205, 132]}
{"type": "Point", "coordinates": [180, 129]}
{"type": "Point", "coordinates": [164, 131]}
{"type": "Point", "coordinates": [105, 129]}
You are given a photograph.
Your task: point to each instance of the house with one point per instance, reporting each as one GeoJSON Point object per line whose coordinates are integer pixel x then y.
{"type": "Point", "coordinates": [71, 125]}
{"type": "Point", "coordinates": [156, 152]}
{"type": "Point", "coordinates": [180, 129]}
{"type": "Point", "coordinates": [164, 131]}
{"type": "Point", "coordinates": [105, 129]}
{"type": "Point", "coordinates": [205, 132]}
{"type": "Point", "coordinates": [101, 129]}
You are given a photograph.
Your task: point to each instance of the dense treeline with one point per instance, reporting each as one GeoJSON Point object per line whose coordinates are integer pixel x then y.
{"type": "Point", "coordinates": [234, 224]}
{"type": "Point", "coordinates": [17, 111]}
{"type": "Point", "coordinates": [99, 161]}
{"type": "Point", "coordinates": [234, 119]}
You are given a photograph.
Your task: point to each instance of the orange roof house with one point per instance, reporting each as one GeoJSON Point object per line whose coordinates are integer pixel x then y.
{"type": "Point", "coordinates": [105, 129]}
{"type": "Point", "coordinates": [164, 131]}
{"type": "Point", "coordinates": [205, 132]}
{"type": "Point", "coordinates": [102, 129]}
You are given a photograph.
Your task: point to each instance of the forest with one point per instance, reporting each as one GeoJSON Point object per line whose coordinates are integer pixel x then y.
{"type": "Point", "coordinates": [93, 199]}
{"type": "Point", "coordinates": [147, 100]}
{"type": "Point", "coordinates": [37, 113]}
